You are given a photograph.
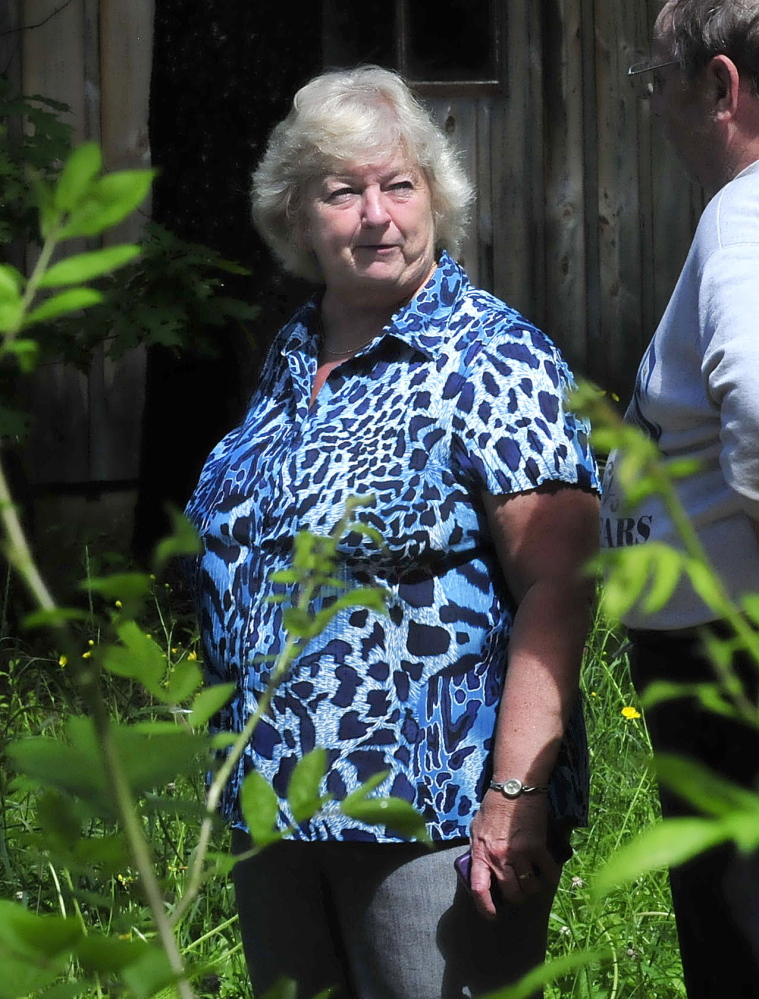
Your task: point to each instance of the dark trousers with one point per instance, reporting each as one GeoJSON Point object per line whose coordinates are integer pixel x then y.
{"type": "Point", "coordinates": [715, 895]}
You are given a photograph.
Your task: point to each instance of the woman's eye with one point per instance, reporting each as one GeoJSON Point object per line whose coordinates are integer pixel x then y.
{"type": "Point", "coordinates": [340, 193]}
{"type": "Point", "coordinates": [402, 185]}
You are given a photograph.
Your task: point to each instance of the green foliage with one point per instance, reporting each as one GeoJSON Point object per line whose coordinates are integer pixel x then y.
{"type": "Point", "coordinates": [164, 291]}
{"type": "Point", "coordinates": [34, 143]}
{"type": "Point", "coordinates": [629, 932]}
{"type": "Point", "coordinates": [98, 780]}
{"type": "Point", "coordinates": [174, 295]}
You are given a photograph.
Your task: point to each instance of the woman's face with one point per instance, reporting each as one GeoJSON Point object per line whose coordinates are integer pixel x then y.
{"type": "Point", "coordinates": [372, 231]}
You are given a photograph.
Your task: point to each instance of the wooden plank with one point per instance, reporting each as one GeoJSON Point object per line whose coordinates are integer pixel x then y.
{"type": "Point", "coordinates": [54, 54]}
{"type": "Point", "coordinates": [58, 447]}
{"type": "Point", "coordinates": [565, 170]}
{"type": "Point", "coordinates": [11, 42]}
{"type": "Point", "coordinates": [516, 154]}
{"type": "Point", "coordinates": [618, 196]}
{"type": "Point", "coordinates": [670, 203]}
{"type": "Point", "coordinates": [126, 32]}
{"type": "Point", "coordinates": [458, 118]}
{"type": "Point", "coordinates": [117, 390]}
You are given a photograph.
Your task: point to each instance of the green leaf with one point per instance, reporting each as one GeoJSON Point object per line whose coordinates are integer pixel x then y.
{"type": "Point", "coordinates": [209, 701]}
{"type": "Point", "coordinates": [708, 694]}
{"type": "Point", "coordinates": [11, 283]}
{"type": "Point", "coordinates": [150, 756]}
{"type": "Point", "coordinates": [665, 572]}
{"type": "Point", "coordinates": [531, 983]}
{"type": "Point", "coordinates": [119, 586]}
{"type": "Point", "coordinates": [222, 862]}
{"type": "Point", "coordinates": [358, 527]}
{"type": "Point", "coordinates": [59, 305]}
{"type": "Point", "coordinates": [751, 607]}
{"type": "Point", "coordinates": [53, 763]}
{"type": "Point", "coordinates": [44, 198]}
{"type": "Point", "coordinates": [108, 955]}
{"type": "Point", "coordinates": [81, 168]}
{"type": "Point", "coordinates": [58, 818]}
{"type": "Point", "coordinates": [11, 317]}
{"type": "Point", "coordinates": [184, 680]}
{"type": "Point", "coordinates": [395, 813]}
{"type": "Point", "coordinates": [149, 973]}
{"type": "Point", "coordinates": [670, 842]}
{"type": "Point", "coordinates": [298, 622]}
{"type": "Point", "coordinates": [703, 788]}
{"type": "Point", "coordinates": [108, 202]}
{"type": "Point", "coordinates": [183, 540]}
{"type": "Point", "coordinates": [705, 583]}
{"type": "Point", "coordinates": [303, 790]}
{"type": "Point", "coordinates": [26, 934]}
{"type": "Point", "coordinates": [223, 740]}
{"type": "Point", "coordinates": [19, 979]}
{"type": "Point", "coordinates": [373, 597]}
{"type": "Point", "coordinates": [86, 266]}
{"type": "Point", "coordinates": [27, 354]}
{"type": "Point", "coordinates": [283, 988]}
{"type": "Point", "coordinates": [153, 758]}
{"type": "Point", "coordinates": [260, 809]}
{"type": "Point", "coordinates": [139, 658]}
{"type": "Point", "coordinates": [53, 618]}
{"type": "Point", "coordinates": [364, 790]}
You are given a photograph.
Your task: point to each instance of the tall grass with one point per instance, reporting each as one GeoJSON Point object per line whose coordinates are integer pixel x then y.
{"type": "Point", "coordinates": [634, 924]}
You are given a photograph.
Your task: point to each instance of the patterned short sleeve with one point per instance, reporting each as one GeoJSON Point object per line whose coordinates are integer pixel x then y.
{"type": "Point", "coordinates": [518, 433]}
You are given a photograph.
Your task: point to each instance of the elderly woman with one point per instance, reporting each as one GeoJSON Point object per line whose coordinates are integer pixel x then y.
{"type": "Point", "coordinates": [401, 380]}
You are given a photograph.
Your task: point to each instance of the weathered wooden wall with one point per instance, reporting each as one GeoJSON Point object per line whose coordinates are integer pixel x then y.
{"type": "Point", "coordinates": [583, 216]}
{"type": "Point", "coordinates": [94, 56]}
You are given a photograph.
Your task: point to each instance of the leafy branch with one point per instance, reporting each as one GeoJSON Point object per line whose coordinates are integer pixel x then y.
{"type": "Point", "coordinates": [102, 763]}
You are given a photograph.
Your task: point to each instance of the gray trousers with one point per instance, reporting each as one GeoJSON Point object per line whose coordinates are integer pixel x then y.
{"type": "Point", "coordinates": [377, 921]}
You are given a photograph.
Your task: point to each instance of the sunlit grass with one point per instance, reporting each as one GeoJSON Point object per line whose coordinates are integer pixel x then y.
{"type": "Point", "coordinates": [633, 924]}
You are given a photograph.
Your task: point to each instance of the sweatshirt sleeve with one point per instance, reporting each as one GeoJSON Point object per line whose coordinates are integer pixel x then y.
{"type": "Point", "coordinates": [729, 327]}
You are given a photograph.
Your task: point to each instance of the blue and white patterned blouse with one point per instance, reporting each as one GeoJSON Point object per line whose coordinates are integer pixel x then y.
{"type": "Point", "coordinates": [458, 395]}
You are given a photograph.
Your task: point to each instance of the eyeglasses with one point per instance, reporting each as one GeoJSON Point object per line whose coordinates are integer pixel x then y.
{"type": "Point", "coordinates": [647, 88]}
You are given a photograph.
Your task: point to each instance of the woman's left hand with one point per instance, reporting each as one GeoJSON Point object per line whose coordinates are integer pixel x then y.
{"type": "Point", "coordinates": [510, 855]}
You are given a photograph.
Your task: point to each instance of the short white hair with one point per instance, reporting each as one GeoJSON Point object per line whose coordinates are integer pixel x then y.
{"type": "Point", "coordinates": [353, 116]}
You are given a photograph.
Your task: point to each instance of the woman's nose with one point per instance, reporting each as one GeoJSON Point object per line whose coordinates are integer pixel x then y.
{"type": "Point", "coordinates": [374, 211]}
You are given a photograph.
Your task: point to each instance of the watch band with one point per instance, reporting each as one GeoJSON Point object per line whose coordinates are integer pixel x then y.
{"type": "Point", "coordinates": [513, 788]}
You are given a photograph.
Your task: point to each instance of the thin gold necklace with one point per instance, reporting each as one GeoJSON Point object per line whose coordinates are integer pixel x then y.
{"type": "Point", "coordinates": [352, 350]}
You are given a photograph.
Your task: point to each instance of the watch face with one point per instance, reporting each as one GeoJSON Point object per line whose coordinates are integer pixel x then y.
{"type": "Point", "coordinates": [512, 787]}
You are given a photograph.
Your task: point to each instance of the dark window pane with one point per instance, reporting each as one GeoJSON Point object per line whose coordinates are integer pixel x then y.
{"type": "Point", "coordinates": [450, 40]}
{"type": "Point", "coordinates": [357, 33]}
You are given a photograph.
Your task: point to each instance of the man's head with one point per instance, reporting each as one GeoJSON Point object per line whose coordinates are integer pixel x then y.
{"type": "Point", "coordinates": [702, 29]}
{"type": "Point", "coordinates": [709, 100]}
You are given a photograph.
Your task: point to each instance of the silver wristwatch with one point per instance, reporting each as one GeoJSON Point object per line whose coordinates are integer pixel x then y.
{"type": "Point", "coordinates": [513, 787]}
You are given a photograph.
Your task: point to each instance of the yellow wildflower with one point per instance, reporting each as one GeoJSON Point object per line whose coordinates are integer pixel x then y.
{"type": "Point", "coordinates": [63, 661]}
{"type": "Point", "coordinates": [629, 712]}
{"type": "Point", "coordinates": [192, 656]}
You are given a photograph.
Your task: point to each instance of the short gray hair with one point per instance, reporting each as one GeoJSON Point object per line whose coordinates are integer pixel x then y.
{"type": "Point", "coordinates": [356, 115]}
{"type": "Point", "coordinates": [702, 29]}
